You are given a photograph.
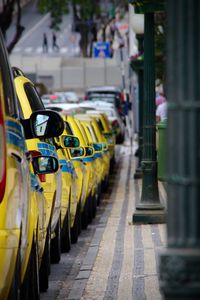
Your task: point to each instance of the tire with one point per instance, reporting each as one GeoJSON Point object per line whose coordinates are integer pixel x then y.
{"type": "Point", "coordinates": [90, 209]}
{"type": "Point", "coordinates": [79, 218]}
{"type": "Point", "coordinates": [34, 290]}
{"type": "Point", "coordinates": [99, 194]}
{"type": "Point", "coordinates": [66, 234]}
{"type": "Point", "coordinates": [45, 264]}
{"type": "Point", "coordinates": [14, 293]}
{"type": "Point", "coordinates": [56, 244]}
{"type": "Point", "coordinates": [30, 288]}
{"type": "Point", "coordinates": [94, 204]}
{"type": "Point", "coordinates": [84, 216]}
{"type": "Point", "coordinates": [74, 229]}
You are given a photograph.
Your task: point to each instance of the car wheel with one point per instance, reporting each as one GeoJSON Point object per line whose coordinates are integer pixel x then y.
{"type": "Point", "coordinates": [34, 291]}
{"type": "Point", "coordinates": [66, 234]}
{"type": "Point", "coordinates": [99, 194]}
{"type": "Point", "coordinates": [94, 203]}
{"type": "Point", "coordinates": [30, 287]}
{"type": "Point", "coordinates": [45, 264]}
{"type": "Point", "coordinates": [14, 293]}
{"type": "Point", "coordinates": [74, 229]}
{"type": "Point", "coordinates": [90, 210]}
{"type": "Point", "coordinates": [79, 218]}
{"type": "Point", "coordinates": [56, 244]}
{"type": "Point", "coordinates": [84, 215]}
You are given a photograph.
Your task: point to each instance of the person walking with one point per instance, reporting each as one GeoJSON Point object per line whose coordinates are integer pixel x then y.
{"type": "Point", "coordinates": [161, 112]}
{"type": "Point", "coordinates": [55, 46]}
{"type": "Point", "coordinates": [45, 43]}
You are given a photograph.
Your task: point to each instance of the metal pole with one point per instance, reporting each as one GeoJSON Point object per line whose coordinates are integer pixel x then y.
{"type": "Point", "coordinates": [128, 126]}
{"type": "Point", "coordinates": [105, 71]}
{"type": "Point", "coordinates": [180, 262]}
{"type": "Point", "coordinates": [149, 208]}
{"type": "Point", "coordinates": [138, 171]}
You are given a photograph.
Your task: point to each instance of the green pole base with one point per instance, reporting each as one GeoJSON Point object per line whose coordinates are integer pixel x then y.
{"type": "Point", "coordinates": [138, 173]}
{"type": "Point", "coordinates": [141, 216]}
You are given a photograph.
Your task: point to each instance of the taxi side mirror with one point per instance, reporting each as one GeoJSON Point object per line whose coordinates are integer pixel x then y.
{"type": "Point", "coordinates": [105, 146]}
{"type": "Point", "coordinates": [45, 164]}
{"type": "Point", "coordinates": [77, 152]}
{"type": "Point", "coordinates": [43, 124]}
{"type": "Point", "coordinates": [89, 151]}
{"type": "Point", "coordinates": [98, 147]}
{"type": "Point", "coordinates": [69, 141]}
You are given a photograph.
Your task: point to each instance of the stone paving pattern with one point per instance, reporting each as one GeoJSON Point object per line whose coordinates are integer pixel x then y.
{"type": "Point", "coordinates": [120, 259]}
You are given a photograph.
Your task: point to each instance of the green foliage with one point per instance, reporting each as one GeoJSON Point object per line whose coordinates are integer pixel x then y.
{"type": "Point", "coordinates": [88, 8]}
{"type": "Point", "coordinates": [57, 8]}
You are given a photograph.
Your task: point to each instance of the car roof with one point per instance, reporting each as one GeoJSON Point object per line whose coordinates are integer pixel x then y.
{"type": "Point", "coordinates": [95, 103]}
{"type": "Point", "coordinates": [104, 89]}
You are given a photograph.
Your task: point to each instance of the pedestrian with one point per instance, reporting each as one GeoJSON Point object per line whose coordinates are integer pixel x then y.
{"type": "Point", "coordinates": [45, 43]}
{"type": "Point", "coordinates": [160, 99]}
{"type": "Point", "coordinates": [54, 42]}
{"type": "Point", "coordinates": [161, 112]}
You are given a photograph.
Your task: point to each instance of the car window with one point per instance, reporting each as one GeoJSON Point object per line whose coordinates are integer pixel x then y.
{"type": "Point", "coordinates": [93, 134]}
{"type": "Point", "coordinates": [68, 128]}
{"type": "Point", "coordinates": [93, 129]}
{"type": "Point", "coordinates": [8, 93]}
{"type": "Point", "coordinates": [85, 134]}
{"type": "Point", "coordinates": [33, 97]}
{"type": "Point", "coordinates": [100, 124]}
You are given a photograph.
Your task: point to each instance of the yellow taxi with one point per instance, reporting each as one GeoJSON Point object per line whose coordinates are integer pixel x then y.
{"type": "Point", "coordinates": [15, 185]}
{"type": "Point", "coordinates": [99, 139]}
{"type": "Point", "coordinates": [88, 180]}
{"type": "Point", "coordinates": [30, 101]}
{"type": "Point", "coordinates": [97, 162]}
{"type": "Point", "coordinates": [71, 178]}
{"type": "Point", "coordinates": [106, 129]}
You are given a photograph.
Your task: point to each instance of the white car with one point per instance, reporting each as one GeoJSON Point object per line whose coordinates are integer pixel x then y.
{"type": "Point", "coordinates": [112, 113]}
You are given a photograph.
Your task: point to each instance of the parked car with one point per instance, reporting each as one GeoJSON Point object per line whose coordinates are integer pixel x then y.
{"type": "Point", "coordinates": [60, 97]}
{"type": "Point", "coordinates": [89, 178]}
{"type": "Point", "coordinates": [71, 97]}
{"type": "Point", "coordinates": [18, 243]}
{"type": "Point", "coordinates": [53, 98]}
{"type": "Point", "coordinates": [99, 145]}
{"type": "Point", "coordinates": [110, 94]}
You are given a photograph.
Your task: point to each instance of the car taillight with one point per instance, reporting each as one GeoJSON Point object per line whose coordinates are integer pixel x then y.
{"type": "Point", "coordinates": [34, 153]}
{"type": "Point", "coordinates": [115, 123]}
{"type": "Point", "coordinates": [122, 98]}
{"type": "Point", "coordinates": [2, 157]}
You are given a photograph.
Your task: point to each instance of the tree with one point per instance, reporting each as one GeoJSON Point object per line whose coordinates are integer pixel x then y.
{"type": "Point", "coordinates": [88, 17]}
{"type": "Point", "coordinates": [6, 17]}
{"type": "Point", "coordinates": [56, 8]}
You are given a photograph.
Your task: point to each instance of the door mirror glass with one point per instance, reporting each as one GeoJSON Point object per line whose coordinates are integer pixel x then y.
{"type": "Point", "coordinates": [43, 124]}
{"type": "Point", "coordinates": [105, 146]}
{"type": "Point", "coordinates": [98, 147]}
{"type": "Point", "coordinates": [45, 164]}
{"type": "Point", "coordinates": [70, 141]}
{"type": "Point", "coordinates": [89, 151]}
{"type": "Point", "coordinates": [77, 152]}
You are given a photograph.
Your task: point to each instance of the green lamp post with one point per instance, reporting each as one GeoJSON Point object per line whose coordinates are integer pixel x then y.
{"type": "Point", "coordinates": [149, 208]}
{"type": "Point", "coordinates": [179, 265]}
{"type": "Point", "coordinates": [137, 65]}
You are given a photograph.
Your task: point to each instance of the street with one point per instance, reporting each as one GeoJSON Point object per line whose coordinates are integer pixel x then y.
{"type": "Point", "coordinates": [110, 253]}
{"type": "Point", "coordinates": [32, 38]}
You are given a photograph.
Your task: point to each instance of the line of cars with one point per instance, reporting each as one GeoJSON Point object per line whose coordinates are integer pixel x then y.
{"type": "Point", "coordinates": [53, 167]}
{"type": "Point", "coordinates": [103, 99]}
